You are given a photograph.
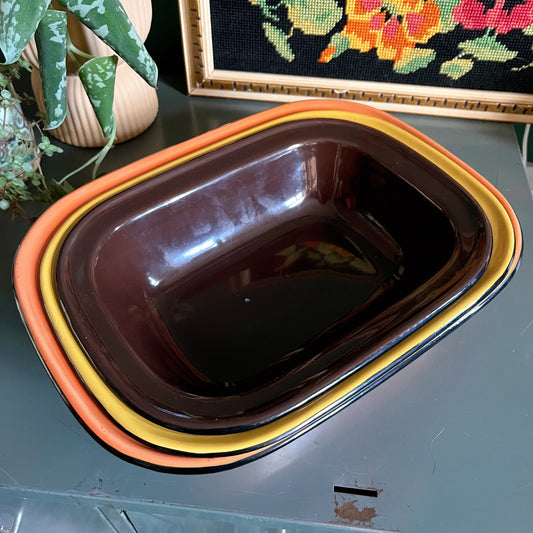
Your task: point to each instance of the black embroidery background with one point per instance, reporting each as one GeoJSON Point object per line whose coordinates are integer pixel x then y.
{"type": "Point", "coordinates": [239, 43]}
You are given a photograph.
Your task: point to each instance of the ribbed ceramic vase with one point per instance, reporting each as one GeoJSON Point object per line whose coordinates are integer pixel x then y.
{"type": "Point", "coordinates": [135, 104]}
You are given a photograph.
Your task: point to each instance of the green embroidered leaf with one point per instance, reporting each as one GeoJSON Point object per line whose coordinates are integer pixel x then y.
{"type": "Point", "coordinates": [341, 43]}
{"type": "Point", "coordinates": [109, 21]}
{"type": "Point", "coordinates": [269, 11]}
{"type": "Point", "coordinates": [446, 19]}
{"type": "Point", "coordinates": [414, 60]}
{"type": "Point", "coordinates": [313, 19]}
{"type": "Point", "coordinates": [528, 30]}
{"type": "Point", "coordinates": [18, 22]}
{"type": "Point", "coordinates": [51, 40]}
{"type": "Point", "coordinates": [279, 40]}
{"type": "Point", "coordinates": [456, 68]}
{"type": "Point", "coordinates": [487, 48]}
{"type": "Point", "coordinates": [98, 78]}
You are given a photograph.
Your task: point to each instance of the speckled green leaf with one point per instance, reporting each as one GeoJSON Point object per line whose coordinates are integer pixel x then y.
{"type": "Point", "coordinates": [98, 78]}
{"type": "Point", "coordinates": [51, 40]}
{"type": "Point", "coordinates": [18, 21]}
{"type": "Point", "coordinates": [279, 39]}
{"type": "Point", "coordinates": [487, 48]}
{"type": "Point", "coordinates": [109, 21]}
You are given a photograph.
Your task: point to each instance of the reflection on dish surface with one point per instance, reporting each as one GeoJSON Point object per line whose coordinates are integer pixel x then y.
{"type": "Point", "coordinates": [237, 286]}
{"type": "Point", "coordinates": [231, 319]}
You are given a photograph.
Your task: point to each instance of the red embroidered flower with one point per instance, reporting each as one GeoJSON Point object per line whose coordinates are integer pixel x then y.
{"type": "Point", "coordinates": [392, 27]}
{"type": "Point", "coordinates": [474, 15]}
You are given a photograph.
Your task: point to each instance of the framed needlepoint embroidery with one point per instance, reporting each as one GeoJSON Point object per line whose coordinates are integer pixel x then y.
{"type": "Point", "coordinates": [466, 58]}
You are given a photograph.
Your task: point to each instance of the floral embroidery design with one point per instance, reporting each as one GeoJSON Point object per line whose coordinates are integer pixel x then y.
{"type": "Point", "coordinates": [393, 28]}
{"type": "Point", "coordinates": [474, 15]}
{"type": "Point", "coordinates": [407, 33]}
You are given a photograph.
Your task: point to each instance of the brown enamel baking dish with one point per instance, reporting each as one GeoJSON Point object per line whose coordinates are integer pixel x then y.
{"type": "Point", "coordinates": [228, 291]}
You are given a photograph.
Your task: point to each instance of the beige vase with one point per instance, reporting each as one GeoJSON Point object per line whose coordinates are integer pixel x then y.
{"type": "Point", "coordinates": [135, 105]}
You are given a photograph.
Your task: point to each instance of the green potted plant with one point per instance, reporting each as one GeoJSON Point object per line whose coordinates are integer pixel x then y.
{"type": "Point", "coordinates": [40, 19]}
{"type": "Point", "coordinates": [21, 177]}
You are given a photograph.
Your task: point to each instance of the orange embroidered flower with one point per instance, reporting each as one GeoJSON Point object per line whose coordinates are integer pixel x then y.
{"type": "Point", "coordinates": [391, 27]}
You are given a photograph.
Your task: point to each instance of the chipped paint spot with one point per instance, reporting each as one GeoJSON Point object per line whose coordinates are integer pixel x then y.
{"type": "Point", "coordinates": [349, 512]}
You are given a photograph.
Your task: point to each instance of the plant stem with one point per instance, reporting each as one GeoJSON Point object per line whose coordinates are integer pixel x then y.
{"type": "Point", "coordinates": [74, 51]}
{"type": "Point", "coordinates": [106, 148]}
{"type": "Point", "coordinates": [73, 57]}
{"type": "Point", "coordinates": [97, 159]}
{"type": "Point", "coordinates": [73, 48]}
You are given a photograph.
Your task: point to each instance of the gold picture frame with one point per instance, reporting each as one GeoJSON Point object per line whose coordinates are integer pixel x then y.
{"type": "Point", "coordinates": [203, 79]}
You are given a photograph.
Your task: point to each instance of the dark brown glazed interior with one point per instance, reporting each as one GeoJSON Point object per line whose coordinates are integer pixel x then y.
{"type": "Point", "coordinates": [228, 291]}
